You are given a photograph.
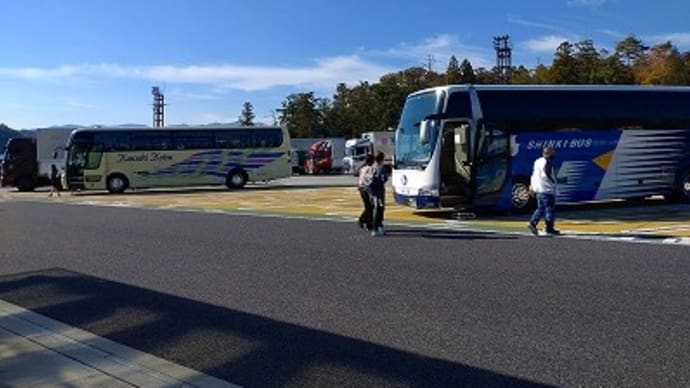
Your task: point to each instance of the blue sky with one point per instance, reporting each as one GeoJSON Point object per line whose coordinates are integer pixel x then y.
{"type": "Point", "coordinates": [94, 62]}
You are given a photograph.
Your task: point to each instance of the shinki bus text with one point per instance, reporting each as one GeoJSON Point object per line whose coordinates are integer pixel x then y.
{"type": "Point", "coordinates": [116, 159]}
{"type": "Point", "coordinates": [473, 147]}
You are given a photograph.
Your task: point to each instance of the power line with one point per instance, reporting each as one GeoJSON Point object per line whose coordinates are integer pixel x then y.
{"type": "Point", "coordinates": [158, 107]}
{"type": "Point", "coordinates": [504, 66]}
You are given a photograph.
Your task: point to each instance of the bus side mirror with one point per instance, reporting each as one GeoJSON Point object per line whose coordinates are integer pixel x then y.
{"type": "Point", "coordinates": [424, 132]}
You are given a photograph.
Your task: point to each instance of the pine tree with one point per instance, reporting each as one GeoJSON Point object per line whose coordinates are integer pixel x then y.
{"type": "Point", "coordinates": [467, 75]}
{"type": "Point", "coordinates": [453, 71]}
{"type": "Point", "coordinates": [247, 116]}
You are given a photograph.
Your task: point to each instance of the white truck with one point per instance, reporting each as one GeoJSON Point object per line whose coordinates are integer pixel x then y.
{"type": "Point", "coordinates": [368, 143]}
{"type": "Point", "coordinates": [50, 148]}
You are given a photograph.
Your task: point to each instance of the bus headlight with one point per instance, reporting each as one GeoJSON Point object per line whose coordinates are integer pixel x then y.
{"type": "Point", "coordinates": [429, 191]}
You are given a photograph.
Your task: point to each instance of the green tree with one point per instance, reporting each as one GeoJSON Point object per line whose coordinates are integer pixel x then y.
{"type": "Point", "coordinates": [392, 94]}
{"type": "Point", "coordinates": [247, 116]}
{"type": "Point", "coordinates": [337, 116]}
{"type": "Point", "coordinates": [467, 75]}
{"type": "Point", "coordinates": [631, 50]}
{"type": "Point", "coordinates": [453, 75]}
{"type": "Point", "coordinates": [542, 74]}
{"type": "Point", "coordinates": [324, 128]}
{"type": "Point", "coordinates": [612, 70]}
{"type": "Point", "coordinates": [521, 75]}
{"type": "Point", "coordinates": [564, 68]}
{"type": "Point", "coordinates": [364, 109]}
{"type": "Point", "coordinates": [484, 76]}
{"type": "Point", "coordinates": [686, 64]}
{"type": "Point", "coordinates": [299, 114]}
{"type": "Point", "coordinates": [587, 61]}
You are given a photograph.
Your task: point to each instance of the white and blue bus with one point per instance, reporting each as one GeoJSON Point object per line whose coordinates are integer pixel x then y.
{"type": "Point", "coordinates": [117, 158]}
{"type": "Point", "coordinates": [473, 147]}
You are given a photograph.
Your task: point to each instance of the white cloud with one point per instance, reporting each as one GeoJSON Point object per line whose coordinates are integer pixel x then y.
{"type": "Point", "coordinates": [80, 105]}
{"type": "Point", "coordinates": [679, 39]}
{"type": "Point", "coordinates": [586, 3]}
{"type": "Point", "coordinates": [324, 73]}
{"type": "Point", "coordinates": [440, 47]}
{"type": "Point", "coordinates": [528, 23]}
{"type": "Point", "coordinates": [547, 43]}
{"type": "Point", "coordinates": [181, 94]}
{"type": "Point", "coordinates": [614, 33]}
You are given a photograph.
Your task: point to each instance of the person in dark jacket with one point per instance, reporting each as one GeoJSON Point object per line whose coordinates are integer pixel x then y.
{"type": "Point", "coordinates": [54, 177]}
{"type": "Point", "coordinates": [377, 191]}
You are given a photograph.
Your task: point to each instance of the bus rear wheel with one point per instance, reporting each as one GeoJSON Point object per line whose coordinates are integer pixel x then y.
{"type": "Point", "coordinates": [236, 179]}
{"type": "Point", "coordinates": [117, 183]}
{"type": "Point", "coordinates": [521, 199]}
{"type": "Point", "coordinates": [25, 184]}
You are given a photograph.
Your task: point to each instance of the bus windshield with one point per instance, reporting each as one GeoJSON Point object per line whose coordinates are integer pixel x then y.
{"type": "Point", "coordinates": [409, 150]}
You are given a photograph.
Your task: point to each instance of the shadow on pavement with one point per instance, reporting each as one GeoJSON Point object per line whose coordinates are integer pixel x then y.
{"type": "Point", "coordinates": [239, 347]}
{"type": "Point", "coordinates": [206, 190]}
{"type": "Point", "coordinates": [446, 234]}
{"type": "Point", "coordinates": [629, 210]}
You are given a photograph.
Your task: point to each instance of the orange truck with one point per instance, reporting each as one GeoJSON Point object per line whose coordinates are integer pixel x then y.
{"type": "Point", "coordinates": [325, 157]}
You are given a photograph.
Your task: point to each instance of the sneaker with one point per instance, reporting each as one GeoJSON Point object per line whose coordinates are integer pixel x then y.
{"type": "Point", "coordinates": [533, 228]}
{"type": "Point", "coordinates": [378, 233]}
{"type": "Point", "coordinates": [553, 232]}
{"type": "Point", "coordinates": [381, 231]}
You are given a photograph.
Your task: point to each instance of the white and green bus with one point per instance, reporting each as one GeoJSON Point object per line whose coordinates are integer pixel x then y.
{"type": "Point", "coordinates": [119, 158]}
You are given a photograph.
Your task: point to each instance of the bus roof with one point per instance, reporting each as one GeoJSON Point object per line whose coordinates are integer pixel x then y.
{"type": "Point", "coordinates": [175, 128]}
{"type": "Point", "coordinates": [574, 88]}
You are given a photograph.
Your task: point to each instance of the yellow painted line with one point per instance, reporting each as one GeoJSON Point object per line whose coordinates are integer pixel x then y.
{"type": "Point", "coordinates": [345, 202]}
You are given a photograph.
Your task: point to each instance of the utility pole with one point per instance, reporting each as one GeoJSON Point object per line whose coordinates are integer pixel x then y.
{"type": "Point", "coordinates": [430, 62]}
{"type": "Point", "coordinates": [158, 107]}
{"type": "Point", "coordinates": [504, 67]}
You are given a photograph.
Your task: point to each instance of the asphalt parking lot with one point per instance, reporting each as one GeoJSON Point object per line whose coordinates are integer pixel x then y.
{"type": "Point", "coordinates": [335, 197]}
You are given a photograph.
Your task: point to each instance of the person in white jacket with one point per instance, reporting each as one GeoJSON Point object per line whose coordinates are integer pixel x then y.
{"type": "Point", "coordinates": [366, 174]}
{"type": "Point", "coordinates": [543, 184]}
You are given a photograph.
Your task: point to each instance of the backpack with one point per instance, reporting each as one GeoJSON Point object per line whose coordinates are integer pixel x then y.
{"type": "Point", "coordinates": [378, 180]}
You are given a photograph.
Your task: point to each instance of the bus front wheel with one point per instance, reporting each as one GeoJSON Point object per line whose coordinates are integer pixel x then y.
{"type": "Point", "coordinates": [521, 199]}
{"type": "Point", "coordinates": [236, 179]}
{"type": "Point", "coordinates": [117, 183]}
{"type": "Point", "coordinates": [682, 187]}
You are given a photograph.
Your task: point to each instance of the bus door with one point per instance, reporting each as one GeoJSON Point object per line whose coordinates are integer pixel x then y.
{"type": "Point", "coordinates": [455, 166]}
{"type": "Point", "coordinates": [80, 158]}
{"type": "Point", "coordinates": [492, 161]}
{"type": "Point", "coordinates": [92, 171]}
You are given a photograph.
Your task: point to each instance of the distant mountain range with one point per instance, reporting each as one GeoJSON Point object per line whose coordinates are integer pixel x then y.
{"type": "Point", "coordinates": [5, 134]}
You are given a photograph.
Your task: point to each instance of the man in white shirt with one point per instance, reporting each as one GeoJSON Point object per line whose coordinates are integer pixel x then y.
{"type": "Point", "coordinates": [543, 184]}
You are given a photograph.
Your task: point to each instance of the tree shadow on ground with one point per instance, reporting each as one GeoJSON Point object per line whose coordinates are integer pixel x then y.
{"type": "Point", "coordinates": [239, 347]}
